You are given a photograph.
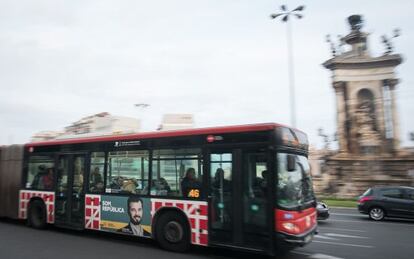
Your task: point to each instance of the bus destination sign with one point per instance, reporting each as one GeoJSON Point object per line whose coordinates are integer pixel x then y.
{"type": "Point", "coordinates": [127, 143]}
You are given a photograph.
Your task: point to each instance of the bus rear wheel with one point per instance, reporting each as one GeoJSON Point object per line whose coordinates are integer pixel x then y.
{"type": "Point", "coordinates": [37, 214]}
{"type": "Point", "coordinates": [172, 232]}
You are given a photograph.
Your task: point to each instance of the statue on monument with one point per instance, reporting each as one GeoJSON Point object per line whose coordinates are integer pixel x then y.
{"type": "Point", "coordinates": [356, 22]}
{"type": "Point", "coordinates": [367, 133]}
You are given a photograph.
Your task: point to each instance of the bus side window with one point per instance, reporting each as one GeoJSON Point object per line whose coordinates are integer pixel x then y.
{"type": "Point", "coordinates": [127, 171]}
{"type": "Point", "coordinates": [96, 175]}
{"type": "Point", "coordinates": [221, 177]}
{"type": "Point", "coordinates": [40, 173]}
{"type": "Point", "coordinates": [179, 171]}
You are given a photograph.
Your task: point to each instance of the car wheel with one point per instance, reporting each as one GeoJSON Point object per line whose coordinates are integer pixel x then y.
{"type": "Point", "coordinates": [37, 214]}
{"type": "Point", "coordinates": [172, 232]}
{"type": "Point", "coordinates": [376, 213]}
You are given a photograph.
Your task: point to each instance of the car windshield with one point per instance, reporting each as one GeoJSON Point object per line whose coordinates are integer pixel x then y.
{"type": "Point", "coordinates": [294, 187]}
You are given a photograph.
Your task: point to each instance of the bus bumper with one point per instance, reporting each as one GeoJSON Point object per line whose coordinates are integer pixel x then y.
{"type": "Point", "coordinates": [296, 240]}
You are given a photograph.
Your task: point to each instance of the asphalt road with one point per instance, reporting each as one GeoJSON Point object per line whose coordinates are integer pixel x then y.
{"type": "Point", "coordinates": [349, 234]}
{"type": "Point", "coordinates": [346, 234]}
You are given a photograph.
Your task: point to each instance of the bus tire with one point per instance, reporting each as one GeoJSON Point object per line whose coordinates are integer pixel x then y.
{"type": "Point", "coordinates": [172, 232]}
{"type": "Point", "coordinates": [36, 217]}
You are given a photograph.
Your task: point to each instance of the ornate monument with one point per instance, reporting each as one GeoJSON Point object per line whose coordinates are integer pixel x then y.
{"type": "Point", "coordinates": [364, 86]}
{"type": "Point", "coordinates": [367, 118]}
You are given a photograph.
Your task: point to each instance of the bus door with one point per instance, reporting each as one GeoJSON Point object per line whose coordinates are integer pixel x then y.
{"type": "Point", "coordinates": [70, 192]}
{"type": "Point", "coordinates": [239, 209]}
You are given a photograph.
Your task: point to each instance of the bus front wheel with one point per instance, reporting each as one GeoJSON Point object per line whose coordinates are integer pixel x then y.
{"type": "Point", "coordinates": [172, 232]}
{"type": "Point", "coordinates": [36, 217]}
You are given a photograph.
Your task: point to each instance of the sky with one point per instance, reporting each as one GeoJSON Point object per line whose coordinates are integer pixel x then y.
{"type": "Point", "coordinates": [225, 61]}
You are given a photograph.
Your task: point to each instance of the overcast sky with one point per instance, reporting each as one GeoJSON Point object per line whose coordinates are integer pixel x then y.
{"type": "Point", "coordinates": [224, 61]}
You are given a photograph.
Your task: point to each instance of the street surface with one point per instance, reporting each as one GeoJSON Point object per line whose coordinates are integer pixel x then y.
{"type": "Point", "coordinates": [349, 234]}
{"type": "Point", "coordinates": [346, 234]}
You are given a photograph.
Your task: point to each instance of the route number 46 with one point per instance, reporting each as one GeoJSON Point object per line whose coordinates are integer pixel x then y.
{"type": "Point", "coordinates": [194, 193]}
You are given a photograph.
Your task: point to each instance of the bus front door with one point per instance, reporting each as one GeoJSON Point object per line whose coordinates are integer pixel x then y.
{"type": "Point", "coordinates": [70, 192]}
{"type": "Point", "coordinates": [239, 211]}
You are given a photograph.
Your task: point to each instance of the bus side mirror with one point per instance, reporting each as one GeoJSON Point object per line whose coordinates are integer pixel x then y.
{"type": "Point", "coordinates": [291, 163]}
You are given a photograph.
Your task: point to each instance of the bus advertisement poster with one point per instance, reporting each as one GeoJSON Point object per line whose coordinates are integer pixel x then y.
{"type": "Point", "coordinates": [128, 215]}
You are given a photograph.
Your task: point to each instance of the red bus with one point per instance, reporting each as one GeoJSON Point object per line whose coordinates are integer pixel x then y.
{"type": "Point", "coordinates": [242, 187]}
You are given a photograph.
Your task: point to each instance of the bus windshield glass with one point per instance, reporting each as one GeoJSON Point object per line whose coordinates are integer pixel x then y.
{"type": "Point", "coordinates": [294, 188]}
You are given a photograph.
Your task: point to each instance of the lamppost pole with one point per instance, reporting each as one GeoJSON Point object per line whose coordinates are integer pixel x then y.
{"type": "Point", "coordinates": [291, 74]}
{"type": "Point", "coordinates": [285, 14]}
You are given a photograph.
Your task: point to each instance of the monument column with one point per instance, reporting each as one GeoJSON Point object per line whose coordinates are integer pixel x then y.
{"type": "Point", "coordinates": [341, 116]}
{"type": "Point", "coordinates": [380, 114]}
{"type": "Point", "coordinates": [396, 126]}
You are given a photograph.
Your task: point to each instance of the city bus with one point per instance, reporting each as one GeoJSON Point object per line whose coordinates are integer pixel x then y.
{"type": "Point", "coordinates": [242, 187]}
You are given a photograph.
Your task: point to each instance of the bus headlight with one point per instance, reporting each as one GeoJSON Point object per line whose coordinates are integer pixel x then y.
{"type": "Point", "coordinates": [291, 227]}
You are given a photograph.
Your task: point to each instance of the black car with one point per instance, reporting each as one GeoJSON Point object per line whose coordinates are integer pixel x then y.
{"type": "Point", "coordinates": [390, 201]}
{"type": "Point", "coordinates": [323, 210]}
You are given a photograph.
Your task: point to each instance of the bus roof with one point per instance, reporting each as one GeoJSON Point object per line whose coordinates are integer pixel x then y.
{"type": "Point", "coordinates": [160, 134]}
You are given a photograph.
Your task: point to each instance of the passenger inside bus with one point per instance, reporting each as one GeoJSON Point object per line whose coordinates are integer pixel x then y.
{"type": "Point", "coordinates": [220, 183]}
{"type": "Point", "coordinates": [97, 187]}
{"type": "Point", "coordinates": [260, 185]}
{"type": "Point", "coordinates": [158, 187]}
{"type": "Point", "coordinates": [163, 186]}
{"type": "Point", "coordinates": [263, 184]}
{"type": "Point", "coordinates": [47, 179]}
{"type": "Point", "coordinates": [123, 184]}
{"type": "Point", "coordinates": [78, 180]}
{"type": "Point", "coordinates": [189, 184]}
{"type": "Point", "coordinates": [129, 185]}
{"type": "Point", "coordinates": [222, 198]}
{"type": "Point", "coordinates": [95, 176]}
{"type": "Point", "coordinates": [62, 180]}
{"type": "Point", "coordinates": [96, 181]}
{"type": "Point", "coordinates": [41, 171]}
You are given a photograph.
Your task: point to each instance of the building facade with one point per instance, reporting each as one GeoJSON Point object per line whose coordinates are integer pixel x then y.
{"type": "Point", "coordinates": [177, 121]}
{"type": "Point", "coordinates": [95, 125]}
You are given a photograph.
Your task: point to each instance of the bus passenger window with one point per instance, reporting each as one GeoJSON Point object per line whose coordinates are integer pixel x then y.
{"type": "Point", "coordinates": [96, 175]}
{"type": "Point", "coordinates": [127, 171]}
{"type": "Point", "coordinates": [177, 173]}
{"type": "Point", "coordinates": [221, 172]}
{"type": "Point", "coordinates": [40, 173]}
{"type": "Point", "coordinates": [78, 173]}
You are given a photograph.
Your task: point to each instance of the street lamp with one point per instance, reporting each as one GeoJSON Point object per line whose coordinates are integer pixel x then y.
{"type": "Point", "coordinates": [285, 15]}
{"type": "Point", "coordinates": [141, 105]}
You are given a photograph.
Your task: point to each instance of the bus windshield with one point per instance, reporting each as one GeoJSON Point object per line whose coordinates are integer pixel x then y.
{"type": "Point", "coordinates": [294, 188]}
